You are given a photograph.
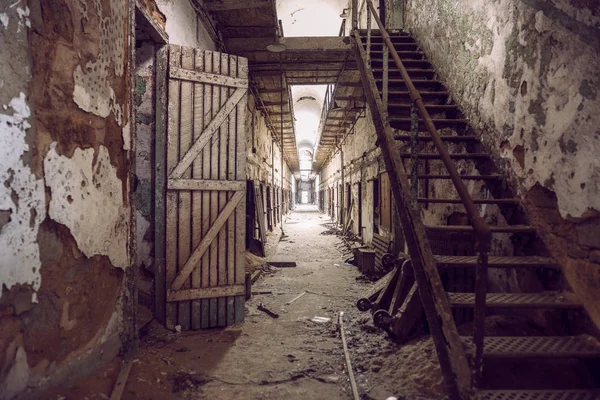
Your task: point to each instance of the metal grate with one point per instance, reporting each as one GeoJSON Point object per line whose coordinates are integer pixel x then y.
{"type": "Point", "coordinates": [538, 395]}
{"type": "Point", "coordinates": [538, 346]}
{"type": "Point", "coordinates": [517, 300]}
{"type": "Point", "coordinates": [496, 261]}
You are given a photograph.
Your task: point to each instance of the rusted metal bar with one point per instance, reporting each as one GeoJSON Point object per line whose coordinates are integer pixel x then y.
{"type": "Point", "coordinates": [369, 40]}
{"type": "Point", "coordinates": [354, 14]}
{"type": "Point", "coordinates": [343, 28]}
{"type": "Point", "coordinates": [479, 317]}
{"type": "Point", "coordinates": [414, 132]}
{"type": "Point", "coordinates": [481, 228]}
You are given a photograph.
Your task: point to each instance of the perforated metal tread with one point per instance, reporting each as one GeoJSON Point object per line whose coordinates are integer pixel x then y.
{"type": "Point", "coordinates": [496, 261]}
{"type": "Point", "coordinates": [537, 346]}
{"type": "Point", "coordinates": [517, 300]}
{"type": "Point", "coordinates": [538, 395]}
{"type": "Point", "coordinates": [494, 229]}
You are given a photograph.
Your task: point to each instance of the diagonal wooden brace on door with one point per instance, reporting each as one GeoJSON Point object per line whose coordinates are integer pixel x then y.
{"type": "Point", "coordinates": [196, 256]}
{"type": "Point", "coordinates": [205, 136]}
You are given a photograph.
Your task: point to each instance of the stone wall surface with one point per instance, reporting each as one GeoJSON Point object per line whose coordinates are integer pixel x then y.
{"type": "Point", "coordinates": [66, 299]}
{"type": "Point", "coordinates": [525, 72]}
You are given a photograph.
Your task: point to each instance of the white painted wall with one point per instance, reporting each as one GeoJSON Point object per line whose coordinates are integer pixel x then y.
{"type": "Point", "coordinates": [183, 26]}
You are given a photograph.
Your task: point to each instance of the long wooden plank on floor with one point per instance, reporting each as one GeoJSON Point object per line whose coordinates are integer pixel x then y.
{"type": "Point", "coordinates": [230, 176]}
{"type": "Point", "coordinates": [206, 195]}
{"type": "Point", "coordinates": [185, 196]}
{"type": "Point", "coordinates": [172, 197]}
{"type": "Point", "coordinates": [214, 196]}
{"type": "Point", "coordinates": [240, 175]}
{"type": "Point", "coordinates": [198, 118]}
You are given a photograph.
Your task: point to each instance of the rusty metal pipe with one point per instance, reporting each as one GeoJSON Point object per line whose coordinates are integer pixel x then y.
{"type": "Point", "coordinates": [483, 234]}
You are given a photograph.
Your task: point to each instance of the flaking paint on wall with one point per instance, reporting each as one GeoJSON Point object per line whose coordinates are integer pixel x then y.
{"type": "Point", "coordinates": [526, 72]}
{"type": "Point", "coordinates": [92, 91]}
{"type": "Point", "coordinates": [87, 198]}
{"type": "Point", "coordinates": [22, 197]}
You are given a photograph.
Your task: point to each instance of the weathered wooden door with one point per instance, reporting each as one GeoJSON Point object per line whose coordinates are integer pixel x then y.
{"type": "Point", "coordinates": [206, 188]}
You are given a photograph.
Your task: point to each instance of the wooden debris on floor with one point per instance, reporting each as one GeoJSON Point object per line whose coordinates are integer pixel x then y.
{"type": "Point", "coordinates": [394, 302]}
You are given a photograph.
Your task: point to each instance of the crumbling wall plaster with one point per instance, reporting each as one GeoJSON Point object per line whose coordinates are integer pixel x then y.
{"type": "Point", "coordinates": [525, 72]}
{"type": "Point", "coordinates": [22, 201]}
{"type": "Point", "coordinates": [144, 158]}
{"type": "Point", "coordinates": [93, 92]}
{"type": "Point", "coordinates": [52, 291]}
{"type": "Point", "coordinates": [87, 198]}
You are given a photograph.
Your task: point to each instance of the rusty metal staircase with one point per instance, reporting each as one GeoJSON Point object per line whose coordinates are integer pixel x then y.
{"type": "Point", "coordinates": [407, 104]}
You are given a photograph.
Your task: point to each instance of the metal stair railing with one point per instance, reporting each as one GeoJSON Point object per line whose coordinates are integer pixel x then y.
{"type": "Point", "coordinates": [480, 227]}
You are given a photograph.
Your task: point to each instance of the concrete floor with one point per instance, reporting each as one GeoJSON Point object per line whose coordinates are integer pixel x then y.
{"type": "Point", "coordinates": [291, 357]}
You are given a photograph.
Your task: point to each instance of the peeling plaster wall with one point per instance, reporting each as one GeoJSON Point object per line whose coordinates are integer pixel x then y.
{"type": "Point", "coordinates": [183, 25]}
{"type": "Point", "coordinates": [66, 299]}
{"type": "Point", "coordinates": [526, 74]}
{"type": "Point", "coordinates": [144, 161]}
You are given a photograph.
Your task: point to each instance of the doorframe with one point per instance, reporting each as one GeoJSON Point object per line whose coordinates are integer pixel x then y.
{"type": "Point", "coordinates": [161, 40]}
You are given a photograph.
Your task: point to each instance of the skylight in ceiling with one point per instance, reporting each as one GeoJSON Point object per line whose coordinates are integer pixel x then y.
{"type": "Point", "coordinates": [311, 17]}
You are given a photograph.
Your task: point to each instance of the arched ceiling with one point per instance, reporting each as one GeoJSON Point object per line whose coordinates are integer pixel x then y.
{"type": "Point", "coordinates": [308, 104]}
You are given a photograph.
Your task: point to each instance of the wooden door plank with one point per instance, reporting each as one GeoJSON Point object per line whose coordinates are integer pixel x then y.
{"type": "Point", "coordinates": [205, 184]}
{"type": "Point", "coordinates": [223, 148]}
{"type": "Point", "coordinates": [240, 174]}
{"type": "Point", "coordinates": [206, 195]}
{"type": "Point", "coordinates": [230, 176]}
{"type": "Point", "coordinates": [205, 77]}
{"type": "Point", "coordinates": [198, 119]}
{"type": "Point", "coordinates": [185, 197]}
{"type": "Point", "coordinates": [211, 128]}
{"type": "Point", "coordinates": [214, 196]}
{"type": "Point", "coordinates": [172, 198]}
{"type": "Point", "coordinates": [205, 293]}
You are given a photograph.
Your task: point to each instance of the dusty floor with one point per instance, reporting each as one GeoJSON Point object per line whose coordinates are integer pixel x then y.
{"type": "Point", "coordinates": [291, 357]}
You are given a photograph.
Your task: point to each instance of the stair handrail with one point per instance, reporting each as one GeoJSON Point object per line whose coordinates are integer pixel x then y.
{"type": "Point", "coordinates": [483, 234]}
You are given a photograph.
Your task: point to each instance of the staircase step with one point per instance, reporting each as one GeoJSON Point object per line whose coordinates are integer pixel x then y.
{"type": "Point", "coordinates": [399, 45]}
{"type": "Point", "coordinates": [459, 201]}
{"type": "Point", "coordinates": [583, 394]}
{"type": "Point", "coordinates": [377, 32]}
{"type": "Point", "coordinates": [438, 96]}
{"type": "Point", "coordinates": [421, 84]}
{"type": "Point", "coordinates": [537, 346]}
{"type": "Point", "coordinates": [378, 52]}
{"type": "Point", "coordinates": [404, 55]}
{"type": "Point", "coordinates": [414, 73]}
{"type": "Point", "coordinates": [408, 63]}
{"type": "Point", "coordinates": [517, 300]}
{"type": "Point", "coordinates": [405, 123]}
{"type": "Point", "coordinates": [430, 107]}
{"type": "Point", "coordinates": [437, 156]}
{"type": "Point", "coordinates": [465, 177]}
{"type": "Point", "coordinates": [496, 261]}
{"type": "Point", "coordinates": [444, 138]}
{"type": "Point", "coordinates": [494, 229]}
